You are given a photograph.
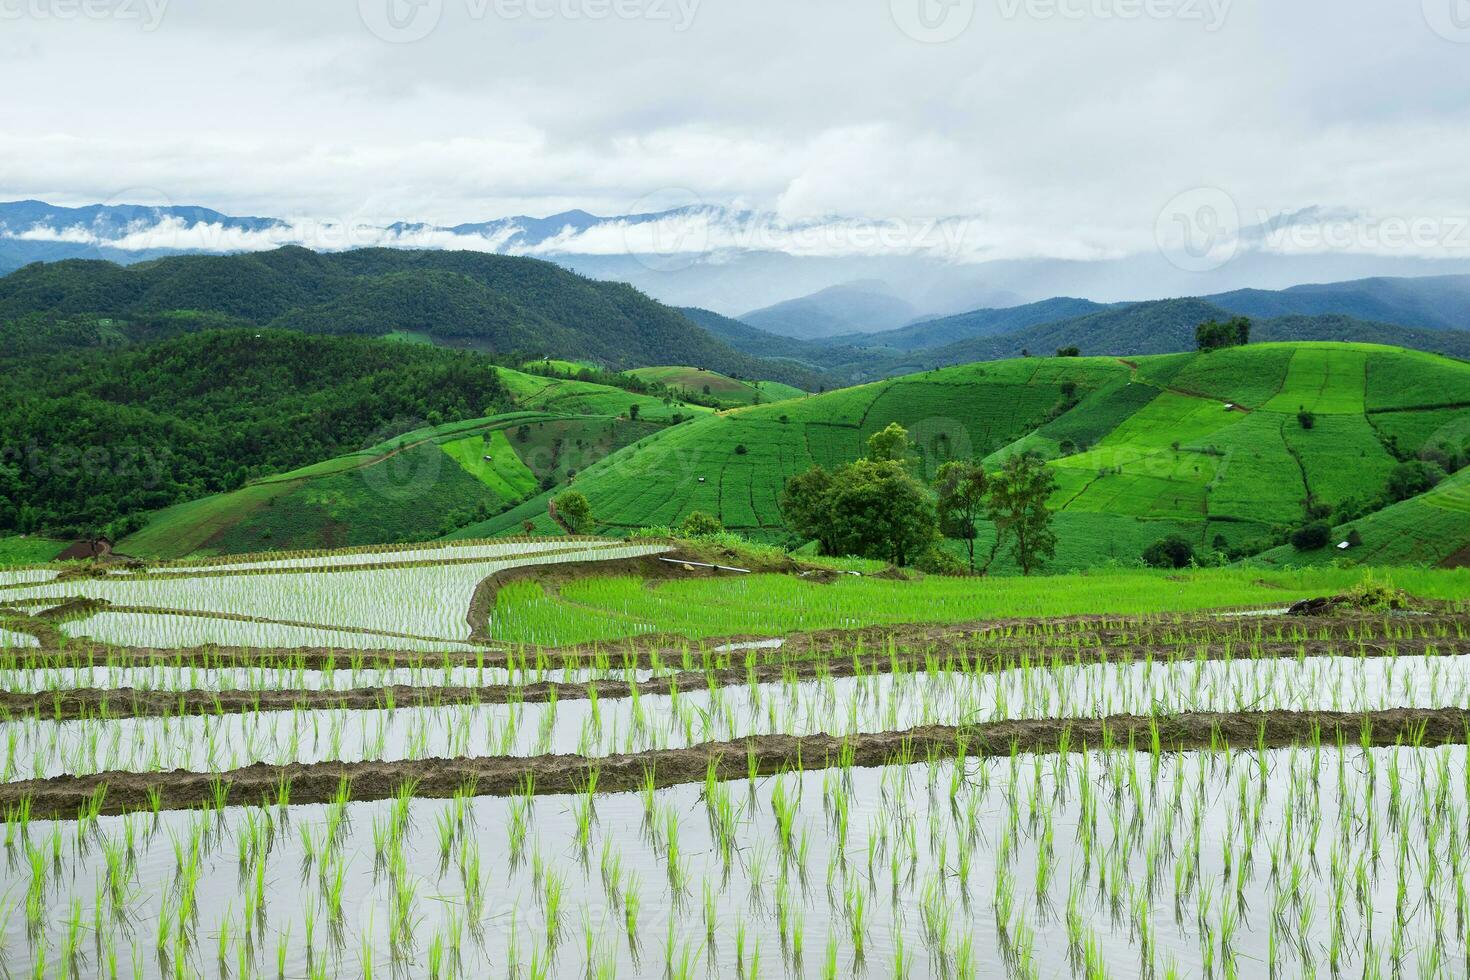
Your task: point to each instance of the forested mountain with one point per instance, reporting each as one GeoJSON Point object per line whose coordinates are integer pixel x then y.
{"type": "Point", "coordinates": [93, 435]}
{"type": "Point", "coordinates": [1427, 302]}
{"type": "Point", "coordinates": [976, 323]}
{"type": "Point", "coordinates": [496, 303]}
{"type": "Point", "coordinates": [1161, 327]}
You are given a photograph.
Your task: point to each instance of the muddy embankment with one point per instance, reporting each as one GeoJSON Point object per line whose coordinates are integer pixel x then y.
{"type": "Point", "coordinates": [70, 704]}
{"type": "Point", "coordinates": [110, 793]}
{"type": "Point", "coordinates": [1067, 634]}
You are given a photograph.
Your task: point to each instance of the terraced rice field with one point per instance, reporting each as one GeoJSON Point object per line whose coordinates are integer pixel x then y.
{"type": "Point", "coordinates": [1175, 791]}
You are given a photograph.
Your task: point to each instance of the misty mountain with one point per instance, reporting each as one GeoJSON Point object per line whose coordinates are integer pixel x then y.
{"type": "Point", "coordinates": [976, 323]}
{"type": "Point", "coordinates": [1162, 327]}
{"type": "Point", "coordinates": [1430, 302]}
{"type": "Point", "coordinates": [857, 307]}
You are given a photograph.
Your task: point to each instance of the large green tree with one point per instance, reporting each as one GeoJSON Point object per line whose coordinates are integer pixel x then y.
{"type": "Point", "coordinates": [1018, 508]}
{"type": "Point", "coordinates": [872, 507]}
{"type": "Point", "coordinates": [879, 510]}
{"type": "Point", "coordinates": [574, 511]}
{"type": "Point", "coordinates": [890, 445]}
{"type": "Point", "coordinates": [961, 486]}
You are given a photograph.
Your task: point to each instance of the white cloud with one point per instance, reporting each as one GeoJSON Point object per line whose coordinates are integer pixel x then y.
{"type": "Point", "coordinates": [1033, 136]}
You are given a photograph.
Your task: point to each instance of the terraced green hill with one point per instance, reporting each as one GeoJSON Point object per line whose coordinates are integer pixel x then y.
{"type": "Point", "coordinates": [730, 392]}
{"type": "Point", "coordinates": [567, 396]}
{"type": "Point", "coordinates": [1432, 528]}
{"type": "Point", "coordinates": [1206, 445]}
{"type": "Point", "coordinates": [404, 489]}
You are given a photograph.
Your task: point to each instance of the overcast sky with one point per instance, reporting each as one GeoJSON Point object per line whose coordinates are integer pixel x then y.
{"type": "Point", "coordinates": [1063, 128]}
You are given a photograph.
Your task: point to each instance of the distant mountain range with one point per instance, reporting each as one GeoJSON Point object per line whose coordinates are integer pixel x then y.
{"type": "Point", "coordinates": [499, 304]}
{"type": "Point", "coordinates": [729, 260]}
{"type": "Point", "coordinates": [1152, 327]}
{"type": "Point", "coordinates": [859, 330]}
{"type": "Point", "coordinates": [833, 311]}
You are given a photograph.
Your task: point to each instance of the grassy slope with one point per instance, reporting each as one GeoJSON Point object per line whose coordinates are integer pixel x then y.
{"type": "Point", "coordinates": [1431, 529]}
{"type": "Point", "coordinates": [401, 490]}
{"type": "Point", "coordinates": [568, 397]}
{"type": "Point", "coordinates": [730, 392]}
{"type": "Point", "coordinates": [29, 550]}
{"type": "Point", "coordinates": [1150, 449]}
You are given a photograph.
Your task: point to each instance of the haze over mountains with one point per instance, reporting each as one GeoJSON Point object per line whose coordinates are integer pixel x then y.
{"type": "Point", "coordinates": [730, 260]}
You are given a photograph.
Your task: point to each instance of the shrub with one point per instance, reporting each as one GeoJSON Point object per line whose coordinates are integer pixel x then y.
{"type": "Point", "coordinates": [937, 561]}
{"type": "Point", "coordinates": [1306, 419]}
{"type": "Point", "coordinates": [700, 525]}
{"type": "Point", "coordinates": [575, 511]}
{"type": "Point", "coordinates": [740, 450]}
{"type": "Point", "coordinates": [1170, 552]}
{"type": "Point", "coordinates": [1310, 537]}
{"type": "Point", "coordinates": [1412, 478]}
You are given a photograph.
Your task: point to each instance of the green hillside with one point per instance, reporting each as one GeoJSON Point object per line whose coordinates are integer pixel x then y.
{"type": "Point", "coordinates": [406, 489]}
{"type": "Point", "coordinates": [1123, 330]}
{"type": "Point", "coordinates": [494, 303]}
{"type": "Point", "coordinates": [1205, 445]}
{"type": "Point", "coordinates": [91, 436]}
{"type": "Point", "coordinates": [729, 392]}
{"type": "Point", "coordinates": [568, 396]}
{"type": "Point", "coordinates": [1432, 528]}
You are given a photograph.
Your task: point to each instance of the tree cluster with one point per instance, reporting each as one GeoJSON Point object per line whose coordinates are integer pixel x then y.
{"type": "Point", "coordinates": [1214, 335]}
{"type": "Point", "coordinates": [90, 437]}
{"type": "Point", "coordinates": [875, 507]}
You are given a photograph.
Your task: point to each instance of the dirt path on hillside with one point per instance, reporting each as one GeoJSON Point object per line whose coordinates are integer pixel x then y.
{"type": "Point", "coordinates": [63, 797]}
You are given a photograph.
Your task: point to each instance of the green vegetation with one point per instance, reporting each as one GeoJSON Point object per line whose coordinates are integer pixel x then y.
{"type": "Point", "coordinates": [520, 308]}
{"type": "Point", "coordinates": [29, 549]}
{"type": "Point", "coordinates": [1170, 552]}
{"type": "Point", "coordinates": [567, 396]}
{"type": "Point", "coordinates": [872, 508]}
{"type": "Point", "coordinates": [1432, 528]}
{"type": "Point", "coordinates": [724, 391]}
{"type": "Point", "coordinates": [573, 512]}
{"type": "Point", "coordinates": [490, 459]}
{"type": "Point", "coordinates": [93, 439]}
{"type": "Point", "coordinates": [1205, 446]}
{"type": "Point", "coordinates": [1214, 335]}
{"type": "Point", "coordinates": [614, 607]}
{"type": "Point", "coordinates": [414, 487]}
